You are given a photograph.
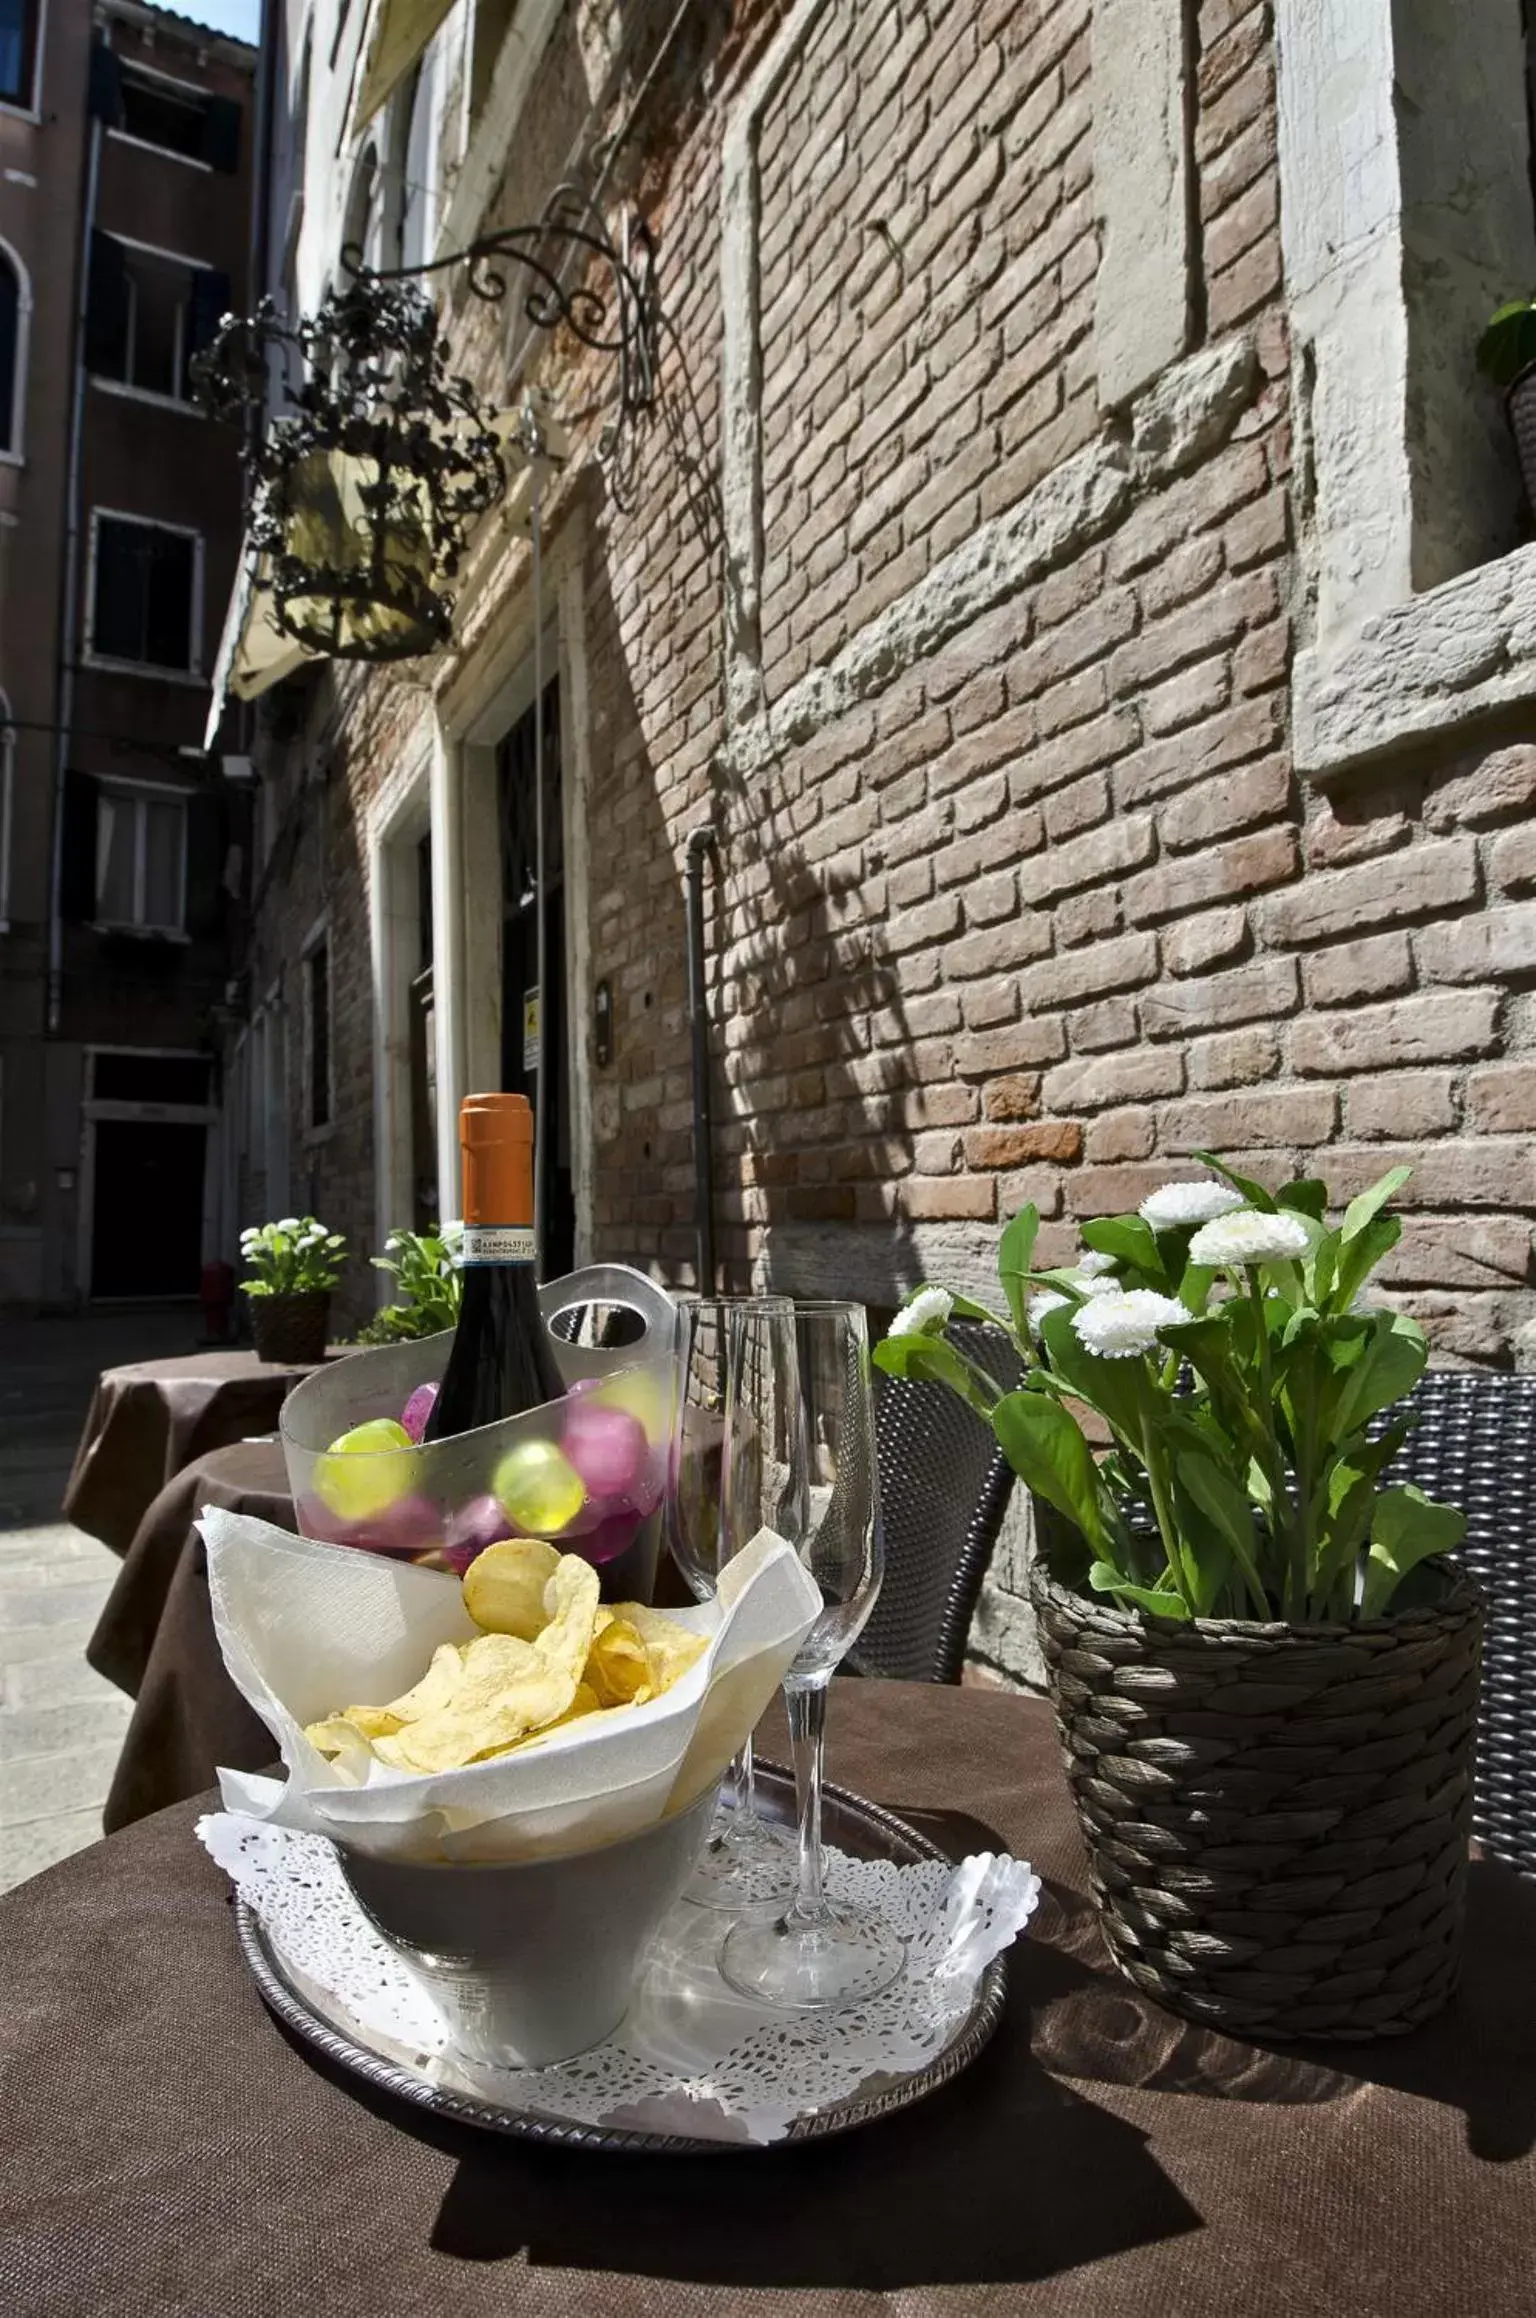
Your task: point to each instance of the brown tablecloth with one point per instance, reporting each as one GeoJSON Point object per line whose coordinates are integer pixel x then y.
{"type": "Point", "coordinates": [168, 2150]}
{"type": "Point", "coordinates": [155, 1638]}
{"type": "Point", "coordinates": [150, 1419]}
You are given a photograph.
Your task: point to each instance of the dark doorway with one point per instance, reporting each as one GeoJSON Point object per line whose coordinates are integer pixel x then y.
{"type": "Point", "coordinates": [520, 968]}
{"type": "Point", "coordinates": [147, 1217]}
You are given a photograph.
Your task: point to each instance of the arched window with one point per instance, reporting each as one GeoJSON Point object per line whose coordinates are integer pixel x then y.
{"type": "Point", "coordinates": [15, 313]}
{"type": "Point", "coordinates": [418, 167]}
{"type": "Point", "coordinates": [365, 209]}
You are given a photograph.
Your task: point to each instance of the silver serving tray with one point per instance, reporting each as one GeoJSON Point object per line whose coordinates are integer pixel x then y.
{"type": "Point", "coordinates": [854, 1825]}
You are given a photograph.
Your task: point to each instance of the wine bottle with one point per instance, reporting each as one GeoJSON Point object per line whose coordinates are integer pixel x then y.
{"type": "Point", "coordinates": [501, 1361]}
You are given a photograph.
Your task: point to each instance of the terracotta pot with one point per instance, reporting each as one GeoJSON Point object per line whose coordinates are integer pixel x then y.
{"type": "Point", "coordinates": [291, 1329]}
{"type": "Point", "coordinates": [1276, 1816]}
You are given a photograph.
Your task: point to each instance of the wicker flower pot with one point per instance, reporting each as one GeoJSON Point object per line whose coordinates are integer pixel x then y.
{"type": "Point", "coordinates": [1276, 1816]}
{"type": "Point", "coordinates": [291, 1329]}
{"type": "Point", "coordinates": [1520, 404]}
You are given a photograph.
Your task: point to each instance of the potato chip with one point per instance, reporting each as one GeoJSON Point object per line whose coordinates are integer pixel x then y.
{"type": "Point", "coordinates": [508, 1687]}
{"type": "Point", "coordinates": [343, 1746]}
{"type": "Point", "coordinates": [671, 1648]}
{"type": "Point", "coordinates": [504, 1587]}
{"type": "Point", "coordinates": [618, 1667]}
{"type": "Point", "coordinates": [373, 1721]}
{"type": "Point", "coordinates": [435, 1688]}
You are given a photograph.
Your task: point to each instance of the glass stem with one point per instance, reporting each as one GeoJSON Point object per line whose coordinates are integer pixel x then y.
{"type": "Point", "coordinates": [743, 1786]}
{"type": "Point", "coordinates": [807, 1738]}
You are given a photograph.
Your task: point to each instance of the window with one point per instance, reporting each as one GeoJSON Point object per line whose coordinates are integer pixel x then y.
{"type": "Point", "coordinates": [141, 860]}
{"type": "Point", "coordinates": [145, 601]}
{"type": "Point", "coordinates": [176, 117]}
{"type": "Point", "coordinates": [365, 210]}
{"type": "Point", "coordinates": [18, 51]}
{"type": "Point", "coordinates": [317, 1023]}
{"type": "Point", "coordinates": [15, 311]}
{"type": "Point", "coordinates": [148, 313]}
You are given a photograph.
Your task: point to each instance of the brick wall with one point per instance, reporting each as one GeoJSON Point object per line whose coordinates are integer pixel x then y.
{"type": "Point", "coordinates": [1029, 903]}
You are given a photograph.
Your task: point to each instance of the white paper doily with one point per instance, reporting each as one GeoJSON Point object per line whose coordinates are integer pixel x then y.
{"type": "Point", "coordinates": [691, 2058]}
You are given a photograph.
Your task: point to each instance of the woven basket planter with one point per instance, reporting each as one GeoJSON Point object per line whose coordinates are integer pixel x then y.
{"type": "Point", "coordinates": [1276, 1816]}
{"type": "Point", "coordinates": [1520, 404]}
{"type": "Point", "coordinates": [291, 1329]}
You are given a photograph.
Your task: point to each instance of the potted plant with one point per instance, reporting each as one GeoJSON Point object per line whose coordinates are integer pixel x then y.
{"type": "Point", "coordinates": [426, 1271]}
{"type": "Point", "coordinates": [1264, 1672]}
{"type": "Point", "coordinates": [1506, 355]}
{"type": "Point", "coordinates": [296, 1263]}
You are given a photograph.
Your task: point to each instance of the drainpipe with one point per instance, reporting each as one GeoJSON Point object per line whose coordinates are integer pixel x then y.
{"type": "Point", "coordinates": [70, 609]}
{"type": "Point", "coordinates": [701, 841]}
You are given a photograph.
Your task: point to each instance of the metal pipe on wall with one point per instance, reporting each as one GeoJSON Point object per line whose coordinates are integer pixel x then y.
{"type": "Point", "coordinates": [701, 842]}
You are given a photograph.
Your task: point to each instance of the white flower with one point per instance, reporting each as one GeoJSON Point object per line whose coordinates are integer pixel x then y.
{"type": "Point", "coordinates": [1174, 1204]}
{"type": "Point", "coordinates": [1092, 1283]}
{"type": "Point", "coordinates": [1249, 1238]}
{"type": "Point", "coordinates": [1092, 1264]}
{"type": "Point", "coordinates": [925, 1315]}
{"type": "Point", "coordinates": [289, 1223]}
{"type": "Point", "coordinates": [1118, 1326]}
{"type": "Point", "coordinates": [1045, 1303]}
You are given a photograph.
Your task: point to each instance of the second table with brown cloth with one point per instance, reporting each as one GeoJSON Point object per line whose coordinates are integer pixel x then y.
{"type": "Point", "coordinates": [150, 1419]}
{"type": "Point", "coordinates": [168, 2149]}
{"type": "Point", "coordinates": [155, 1638]}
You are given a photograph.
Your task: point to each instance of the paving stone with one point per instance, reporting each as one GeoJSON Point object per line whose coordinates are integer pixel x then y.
{"type": "Point", "coordinates": [54, 1681]}
{"type": "Point", "coordinates": [28, 1732]}
{"type": "Point", "coordinates": [45, 1785]}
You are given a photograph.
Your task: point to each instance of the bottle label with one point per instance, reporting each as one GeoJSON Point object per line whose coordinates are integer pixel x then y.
{"type": "Point", "coordinates": [496, 1243]}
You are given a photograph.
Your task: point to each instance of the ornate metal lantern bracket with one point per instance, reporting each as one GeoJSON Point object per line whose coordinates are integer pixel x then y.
{"type": "Point", "coordinates": [619, 314]}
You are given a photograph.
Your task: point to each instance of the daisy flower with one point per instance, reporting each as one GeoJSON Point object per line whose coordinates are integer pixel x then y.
{"type": "Point", "coordinates": [1119, 1326]}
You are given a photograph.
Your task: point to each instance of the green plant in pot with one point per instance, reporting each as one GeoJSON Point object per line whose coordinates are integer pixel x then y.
{"type": "Point", "coordinates": [428, 1283]}
{"type": "Point", "coordinates": [1506, 356]}
{"type": "Point", "coordinates": [295, 1263]}
{"type": "Point", "coordinates": [1263, 1669]}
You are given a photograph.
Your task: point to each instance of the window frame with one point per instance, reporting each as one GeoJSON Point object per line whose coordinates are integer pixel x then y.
{"type": "Point", "coordinates": [141, 794]}
{"type": "Point", "coordinates": [16, 454]}
{"type": "Point", "coordinates": [32, 110]}
{"type": "Point", "coordinates": [128, 65]}
{"type": "Point", "coordinates": [90, 657]}
{"type": "Point", "coordinates": [317, 940]}
{"type": "Point", "coordinates": [125, 387]}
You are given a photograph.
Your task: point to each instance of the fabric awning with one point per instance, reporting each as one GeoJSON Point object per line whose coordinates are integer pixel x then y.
{"type": "Point", "coordinates": [254, 654]}
{"type": "Point", "coordinates": [401, 31]}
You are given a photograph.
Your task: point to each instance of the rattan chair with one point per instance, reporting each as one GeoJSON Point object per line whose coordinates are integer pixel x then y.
{"type": "Point", "coordinates": [1474, 1445]}
{"type": "Point", "coordinates": [944, 1488]}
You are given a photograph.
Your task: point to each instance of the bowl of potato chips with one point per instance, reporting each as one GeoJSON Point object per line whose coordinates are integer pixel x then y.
{"type": "Point", "coordinates": [537, 1959]}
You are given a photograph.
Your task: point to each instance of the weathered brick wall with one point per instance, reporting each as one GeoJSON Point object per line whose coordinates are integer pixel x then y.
{"type": "Point", "coordinates": [1031, 904]}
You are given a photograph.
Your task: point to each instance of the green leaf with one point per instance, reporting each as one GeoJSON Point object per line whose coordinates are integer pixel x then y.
{"type": "Point", "coordinates": [1226, 1507]}
{"type": "Point", "coordinates": [1254, 1193]}
{"type": "Point", "coordinates": [1105, 1579]}
{"type": "Point", "coordinates": [1015, 1249]}
{"type": "Point", "coordinates": [1360, 1210]}
{"type": "Point", "coordinates": [929, 1360]}
{"type": "Point", "coordinates": [1130, 1241]}
{"type": "Point", "coordinates": [1359, 1257]}
{"type": "Point", "coordinates": [1508, 343]}
{"type": "Point", "coordinates": [1307, 1196]}
{"type": "Point", "coordinates": [1390, 1366]}
{"type": "Point", "coordinates": [966, 1308]}
{"type": "Point", "coordinates": [1195, 1287]}
{"type": "Point", "coordinates": [1046, 1448]}
{"type": "Point", "coordinates": [1406, 1528]}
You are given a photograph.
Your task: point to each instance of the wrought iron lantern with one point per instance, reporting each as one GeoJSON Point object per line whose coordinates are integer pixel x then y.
{"type": "Point", "coordinates": [367, 484]}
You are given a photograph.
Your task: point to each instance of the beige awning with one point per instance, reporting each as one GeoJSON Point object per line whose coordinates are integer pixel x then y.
{"type": "Point", "coordinates": [401, 31]}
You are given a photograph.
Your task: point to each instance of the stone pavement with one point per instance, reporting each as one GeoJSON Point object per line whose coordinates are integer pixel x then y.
{"type": "Point", "coordinates": [61, 1725]}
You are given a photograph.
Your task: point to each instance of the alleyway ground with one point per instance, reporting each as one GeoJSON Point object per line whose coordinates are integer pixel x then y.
{"type": "Point", "coordinates": [61, 1725]}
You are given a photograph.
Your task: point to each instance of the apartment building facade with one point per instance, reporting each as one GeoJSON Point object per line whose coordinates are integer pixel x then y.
{"type": "Point", "coordinates": [126, 137]}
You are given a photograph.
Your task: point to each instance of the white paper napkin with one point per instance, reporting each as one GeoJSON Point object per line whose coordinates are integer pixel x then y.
{"type": "Point", "coordinates": [307, 1629]}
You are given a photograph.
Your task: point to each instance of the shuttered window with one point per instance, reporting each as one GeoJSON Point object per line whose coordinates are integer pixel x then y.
{"type": "Point", "coordinates": [177, 117]}
{"type": "Point", "coordinates": [143, 603]}
{"type": "Point", "coordinates": [10, 353]}
{"type": "Point", "coordinates": [141, 857]}
{"type": "Point", "coordinates": [147, 315]}
{"type": "Point", "coordinates": [18, 51]}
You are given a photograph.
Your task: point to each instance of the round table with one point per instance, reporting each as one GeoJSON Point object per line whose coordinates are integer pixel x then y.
{"type": "Point", "coordinates": [168, 2149]}
{"type": "Point", "coordinates": [149, 1419]}
{"type": "Point", "coordinates": [155, 1637]}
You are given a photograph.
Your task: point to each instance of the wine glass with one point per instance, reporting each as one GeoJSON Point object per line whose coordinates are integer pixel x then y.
{"type": "Point", "coordinates": [818, 1953]}
{"type": "Point", "coordinates": [733, 1474]}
